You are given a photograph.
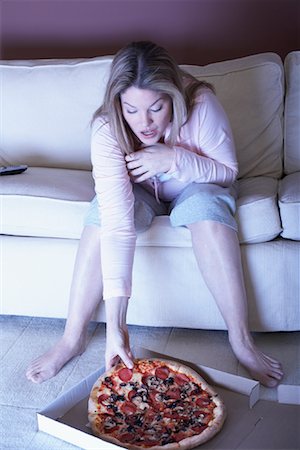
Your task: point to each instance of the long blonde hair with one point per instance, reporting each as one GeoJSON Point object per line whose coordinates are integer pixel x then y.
{"type": "Point", "coordinates": [146, 66]}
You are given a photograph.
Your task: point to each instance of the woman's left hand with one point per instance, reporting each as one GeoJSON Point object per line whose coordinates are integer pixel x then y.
{"type": "Point", "coordinates": [149, 161]}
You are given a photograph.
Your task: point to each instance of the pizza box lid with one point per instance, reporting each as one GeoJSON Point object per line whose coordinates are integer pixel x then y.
{"type": "Point", "coordinates": [246, 426]}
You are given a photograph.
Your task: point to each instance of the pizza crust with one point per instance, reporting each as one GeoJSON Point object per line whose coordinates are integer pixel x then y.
{"type": "Point", "coordinates": [214, 425]}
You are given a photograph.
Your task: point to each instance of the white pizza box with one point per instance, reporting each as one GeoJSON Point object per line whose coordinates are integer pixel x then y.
{"type": "Point", "coordinates": [251, 423]}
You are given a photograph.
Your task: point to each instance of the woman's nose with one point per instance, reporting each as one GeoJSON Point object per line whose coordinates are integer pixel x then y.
{"type": "Point", "coordinates": [146, 120]}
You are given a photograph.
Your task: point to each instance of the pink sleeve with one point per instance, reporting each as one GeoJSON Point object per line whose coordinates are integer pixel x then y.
{"type": "Point", "coordinates": [116, 201]}
{"type": "Point", "coordinates": [208, 154]}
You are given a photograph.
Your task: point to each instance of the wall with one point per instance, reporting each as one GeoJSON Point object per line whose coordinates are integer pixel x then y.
{"type": "Point", "coordinates": [198, 31]}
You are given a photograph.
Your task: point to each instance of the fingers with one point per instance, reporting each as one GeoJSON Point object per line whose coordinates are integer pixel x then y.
{"type": "Point", "coordinates": [133, 165]}
{"type": "Point", "coordinates": [138, 171]}
{"type": "Point", "coordinates": [111, 361]}
{"type": "Point", "coordinates": [126, 357]}
{"type": "Point", "coordinates": [127, 360]}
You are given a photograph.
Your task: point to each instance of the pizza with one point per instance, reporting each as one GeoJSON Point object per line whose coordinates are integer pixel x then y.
{"type": "Point", "coordinates": [159, 404]}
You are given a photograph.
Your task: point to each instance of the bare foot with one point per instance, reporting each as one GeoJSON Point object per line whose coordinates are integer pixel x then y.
{"type": "Point", "coordinates": [266, 370]}
{"type": "Point", "coordinates": [50, 363]}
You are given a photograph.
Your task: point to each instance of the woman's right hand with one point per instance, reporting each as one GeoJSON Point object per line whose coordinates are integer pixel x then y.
{"type": "Point", "coordinates": [118, 348]}
{"type": "Point", "coordinates": [117, 337]}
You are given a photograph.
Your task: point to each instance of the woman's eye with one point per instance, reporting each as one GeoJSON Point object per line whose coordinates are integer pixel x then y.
{"type": "Point", "coordinates": [130, 112]}
{"type": "Point", "coordinates": [157, 109]}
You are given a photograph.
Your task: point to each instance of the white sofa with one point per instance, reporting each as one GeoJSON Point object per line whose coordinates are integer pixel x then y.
{"type": "Point", "coordinates": [46, 107]}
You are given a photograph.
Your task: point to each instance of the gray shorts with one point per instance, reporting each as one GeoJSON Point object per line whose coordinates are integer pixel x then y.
{"type": "Point", "coordinates": [197, 202]}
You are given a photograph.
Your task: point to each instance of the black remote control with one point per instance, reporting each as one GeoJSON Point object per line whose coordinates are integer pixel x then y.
{"type": "Point", "coordinates": [12, 170]}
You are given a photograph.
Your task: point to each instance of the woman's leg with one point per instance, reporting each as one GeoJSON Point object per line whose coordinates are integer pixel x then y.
{"type": "Point", "coordinates": [86, 291]}
{"type": "Point", "coordinates": [217, 252]}
{"type": "Point", "coordinates": [85, 294]}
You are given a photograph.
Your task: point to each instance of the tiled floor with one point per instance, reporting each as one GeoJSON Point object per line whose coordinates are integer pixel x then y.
{"type": "Point", "coordinates": [24, 338]}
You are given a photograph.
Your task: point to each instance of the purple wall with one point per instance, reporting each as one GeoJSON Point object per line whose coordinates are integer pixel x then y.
{"type": "Point", "coordinates": [198, 31]}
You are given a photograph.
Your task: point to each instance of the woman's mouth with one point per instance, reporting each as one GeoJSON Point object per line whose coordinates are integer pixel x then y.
{"type": "Point", "coordinates": [149, 134]}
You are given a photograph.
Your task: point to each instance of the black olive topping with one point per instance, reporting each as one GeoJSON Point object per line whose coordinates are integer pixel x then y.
{"type": "Point", "coordinates": [173, 405]}
{"type": "Point", "coordinates": [138, 422]}
{"type": "Point", "coordinates": [168, 381]}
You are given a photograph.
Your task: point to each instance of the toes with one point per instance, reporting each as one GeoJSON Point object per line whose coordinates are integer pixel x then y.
{"type": "Point", "coordinates": [33, 376]}
{"type": "Point", "coordinates": [270, 382]}
{"type": "Point", "coordinates": [271, 379]}
{"type": "Point", "coordinates": [272, 361]}
{"type": "Point", "coordinates": [36, 379]}
{"type": "Point", "coordinates": [277, 374]}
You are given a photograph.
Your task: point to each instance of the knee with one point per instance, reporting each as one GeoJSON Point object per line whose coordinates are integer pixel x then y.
{"type": "Point", "coordinates": [205, 228]}
{"type": "Point", "coordinates": [143, 216]}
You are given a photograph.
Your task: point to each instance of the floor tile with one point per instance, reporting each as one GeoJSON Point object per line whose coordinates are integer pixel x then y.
{"type": "Point", "coordinates": [44, 441]}
{"type": "Point", "coordinates": [11, 328]}
{"type": "Point", "coordinates": [17, 427]}
{"type": "Point", "coordinates": [285, 347]}
{"type": "Point", "coordinates": [38, 337]}
{"type": "Point", "coordinates": [208, 348]}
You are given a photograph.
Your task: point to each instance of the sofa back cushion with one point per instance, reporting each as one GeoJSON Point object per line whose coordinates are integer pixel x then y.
{"type": "Point", "coordinates": [251, 90]}
{"type": "Point", "coordinates": [292, 113]}
{"type": "Point", "coordinates": [47, 107]}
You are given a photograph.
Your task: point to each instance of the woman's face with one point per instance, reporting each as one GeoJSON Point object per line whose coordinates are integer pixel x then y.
{"type": "Point", "coordinates": [147, 113]}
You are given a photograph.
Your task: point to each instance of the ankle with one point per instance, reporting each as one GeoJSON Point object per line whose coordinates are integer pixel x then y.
{"type": "Point", "coordinates": [241, 336]}
{"type": "Point", "coordinates": [73, 337]}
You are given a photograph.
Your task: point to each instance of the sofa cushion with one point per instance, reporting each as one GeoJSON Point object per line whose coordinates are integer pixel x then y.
{"type": "Point", "coordinates": [45, 202]}
{"type": "Point", "coordinates": [257, 216]}
{"type": "Point", "coordinates": [257, 210]}
{"type": "Point", "coordinates": [48, 107]}
{"type": "Point", "coordinates": [289, 203]}
{"type": "Point", "coordinates": [251, 90]}
{"type": "Point", "coordinates": [52, 202]}
{"type": "Point", "coordinates": [292, 113]}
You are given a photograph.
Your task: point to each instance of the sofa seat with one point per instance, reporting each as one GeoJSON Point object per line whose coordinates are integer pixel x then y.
{"type": "Point", "coordinates": [289, 203]}
{"type": "Point", "coordinates": [31, 204]}
{"type": "Point", "coordinates": [45, 202]}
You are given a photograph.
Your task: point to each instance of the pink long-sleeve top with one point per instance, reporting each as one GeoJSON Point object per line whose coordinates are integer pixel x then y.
{"type": "Point", "coordinates": [204, 153]}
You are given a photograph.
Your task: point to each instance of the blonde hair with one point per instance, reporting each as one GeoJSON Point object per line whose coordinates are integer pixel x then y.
{"type": "Point", "coordinates": [145, 65]}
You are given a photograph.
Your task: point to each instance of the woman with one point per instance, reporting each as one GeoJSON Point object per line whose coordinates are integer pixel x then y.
{"type": "Point", "coordinates": [161, 143]}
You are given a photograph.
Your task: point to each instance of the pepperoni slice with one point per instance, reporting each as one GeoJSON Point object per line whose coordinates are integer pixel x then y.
{"type": "Point", "coordinates": [173, 393]}
{"type": "Point", "coordinates": [126, 437]}
{"type": "Point", "coordinates": [156, 404]}
{"type": "Point", "coordinates": [179, 436]}
{"type": "Point", "coordinates": [162, 372]}
{"type": "Point", "coordinates": [125, 374]}
{"type": "Point", "coordinates": [199, 428]}
{"type": "Point", "coordinates": [181, 378]}
{"type": "Point", "coordinates": [169, 414]}
{"type": "Point", "coordinates": [154, 397]}
{"type": "Point", "coordinates": [128, 408]}
{"type": "Point", "coordinates": [150, 442]}
{"type": "Point", "coordinates": [111, 429]}
{"type": "Point", "coordinates": [102, 398]}
{"type": "Point", "coordinates": [202, 402]}
{"type": "Point", "coordinates": [131, 394]}
{"type": "Point", "coordinates": [207, 419]}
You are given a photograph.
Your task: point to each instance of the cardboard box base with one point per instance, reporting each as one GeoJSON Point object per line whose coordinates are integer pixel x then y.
{"type": "Point", "coordinates": [267, 425]}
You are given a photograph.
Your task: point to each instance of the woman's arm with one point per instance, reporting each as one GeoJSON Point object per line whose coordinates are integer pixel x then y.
{"type": "Point", "coordinates": [207, 152]}
{"type": "Point", "coordinates": [116, 202]}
